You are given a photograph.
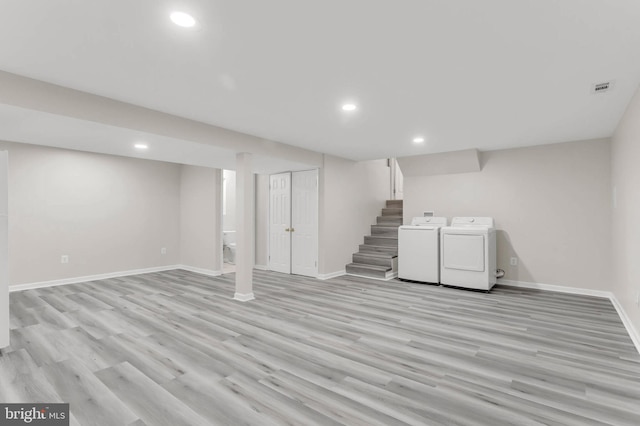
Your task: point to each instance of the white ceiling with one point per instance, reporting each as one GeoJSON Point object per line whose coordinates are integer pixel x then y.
{"type": "Point", "coordinates": [465, 74]}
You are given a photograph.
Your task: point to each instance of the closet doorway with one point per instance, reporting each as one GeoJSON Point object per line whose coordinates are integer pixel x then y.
{"type": "Point", "coordinates": [293, 223]}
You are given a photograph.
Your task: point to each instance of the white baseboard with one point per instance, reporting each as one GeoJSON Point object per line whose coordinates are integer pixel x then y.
{"type": "Point", "coordinates": [261, 267]}
{"type": "Point", "coordinates": [558, 288]}
{"type": "Point", "coordinates": [633, 333]}
{"type": "Point", "coordinates": [76, 280]}
{"type": "Point", "coordinates": [243, 297]}
{"type": "Point", "coordinates": [331, 275]}
{"type": "Point", "coordinates": [202, 271]}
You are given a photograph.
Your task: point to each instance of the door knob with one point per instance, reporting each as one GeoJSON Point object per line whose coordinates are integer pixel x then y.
{"type": "Point", "coordinates": [287, 230]}
{"type": "Point", "coordinates": [292, 229]}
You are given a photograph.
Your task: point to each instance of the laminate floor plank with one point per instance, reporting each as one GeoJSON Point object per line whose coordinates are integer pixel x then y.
{"type": "Point", "coordinates": [500, 394]}
{"type": "Point", "coordinates": [327, 402]}
{"type": "Point", "coordinates": [20, 316]}
{"type": "Point", "coordinates": [280, 408]}
{"type": "Point", "coordinates": [89, 399]}
{"type": "Point", "coordinates": [151, 403]}
{"type": "Point", "coordinates": [48, 316]}
{"type": "Point", "coordinates": [94, 354]}
{"type": "Point", "coordinates": [154, 365]}
{"type": "Point", "coordinates": [175, 348]}
{"type": "Point", "coordinates": [58, 301]}
{"type": "Point", "coordinates": [188, 357]}
{"type": "Point", "coordinates": [21, 379]}
{"type": "Point", "coordinates": [42, 344]}
{"type": "Point", "coordinates": [197, 392]}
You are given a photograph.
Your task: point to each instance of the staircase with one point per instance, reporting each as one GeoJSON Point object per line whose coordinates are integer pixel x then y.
{"type": "Point", "coordinates": [378, 256]}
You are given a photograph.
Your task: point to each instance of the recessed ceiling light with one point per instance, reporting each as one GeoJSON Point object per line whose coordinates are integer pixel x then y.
{"type": "Point", "coordinates": [349, 107]}
{"type": "Point", "coordinates": [183, 19]}
{"type": "Point", "coordinates": [141, 146]}
{"type": "Point", "coordinates": [418, 139]}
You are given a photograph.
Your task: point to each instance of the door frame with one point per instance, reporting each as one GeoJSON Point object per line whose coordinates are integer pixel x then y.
{"type": "Point", "coordinates": [290, 216]}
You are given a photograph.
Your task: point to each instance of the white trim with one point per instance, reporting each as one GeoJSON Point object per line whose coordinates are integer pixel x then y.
{"type": "Point", "coordinates": [557, 288]}
{"type": "Point", "coordinates": [633, 333]}
{"type": "Point", "coordinates": [202, 271]}
{"type": "Point", "coordinates": [331, 275]}
{"type": "Point", "coordinates": [76, 280]}
{"type": "Point", "coordinates": [628, 325]}
{"type": "Point", "coordinates": [390, 277]}
{"type": "Point", "coordinates": [243, 297]}
{"type": "Point", "coordinates": [261, 267]}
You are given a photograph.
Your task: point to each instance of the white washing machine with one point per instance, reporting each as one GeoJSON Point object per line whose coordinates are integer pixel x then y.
{"type": "Point", "coordinates": [418, 249]}
{"type": "Point", "coordinates": [468, 253]}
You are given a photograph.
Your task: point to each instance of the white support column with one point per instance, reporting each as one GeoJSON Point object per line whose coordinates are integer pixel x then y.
{"type": "Point", "coordinates": [244, 228]}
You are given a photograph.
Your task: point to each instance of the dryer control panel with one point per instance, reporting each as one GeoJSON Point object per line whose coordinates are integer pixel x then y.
{"type": "Point", "coordinates": [433, 221]}
{"type": "Point", "coordinates": [472, 221]}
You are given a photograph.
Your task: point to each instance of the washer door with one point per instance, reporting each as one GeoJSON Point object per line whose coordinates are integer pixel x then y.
{"type": "Point", "coordinates": [464, 252]}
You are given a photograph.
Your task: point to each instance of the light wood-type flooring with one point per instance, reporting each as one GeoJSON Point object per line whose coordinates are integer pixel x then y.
{"type": "Point", "coordinates": [174, 348]}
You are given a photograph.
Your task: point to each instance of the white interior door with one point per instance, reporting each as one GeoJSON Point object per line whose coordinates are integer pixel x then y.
{"type": "Point", "coordinates": [304, 223]}
{"type": "Point", "coordinates": [280, 223]}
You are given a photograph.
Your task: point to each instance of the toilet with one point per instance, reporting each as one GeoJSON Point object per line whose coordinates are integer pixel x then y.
{"type": "Point", "coordinates": [229, 246]}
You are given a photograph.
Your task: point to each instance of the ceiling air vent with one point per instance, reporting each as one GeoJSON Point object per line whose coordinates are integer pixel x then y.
{"type": "Point", "coordinates": [602, 87]}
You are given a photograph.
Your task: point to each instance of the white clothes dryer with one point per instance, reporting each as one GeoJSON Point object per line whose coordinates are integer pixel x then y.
{"type": "Point", "coordinates": [419, 249]}
{"type": "Point", "coordinates": [468, 253]}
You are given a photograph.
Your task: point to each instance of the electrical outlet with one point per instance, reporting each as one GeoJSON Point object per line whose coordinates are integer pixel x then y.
{"type": "Point", "coordinates": [163, 250]}
{"type": "Point", "coordinates": [514, 261]}
{"type": "Point", "coordinates": [64, 258]}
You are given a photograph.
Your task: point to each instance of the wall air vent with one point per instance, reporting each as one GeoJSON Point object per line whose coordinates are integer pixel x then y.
{"type": "Point", "coordinates": [602, 87]}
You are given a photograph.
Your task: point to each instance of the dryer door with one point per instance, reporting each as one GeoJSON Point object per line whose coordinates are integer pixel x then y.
{"type": "Point", "coordinates": [464, 252]}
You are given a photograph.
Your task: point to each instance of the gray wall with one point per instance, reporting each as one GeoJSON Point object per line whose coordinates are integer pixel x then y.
{"type": "Point", "coordinates": [200, 239]}
{"type": "Point", "coordinates": [552, 206]}
{"type": "Point", "coordinates": [107, 213]}
{"type": "Point", "coordinates": [626, 214]}
{"type": "Point", "coordinates": [351, 196]}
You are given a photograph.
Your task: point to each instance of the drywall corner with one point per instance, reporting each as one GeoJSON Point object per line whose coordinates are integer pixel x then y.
{"type": "Point", "coordinates": [351, 195]}
{"type": "Point", "coordinates": [200, 210]}
{"type": "Point", "coordinates": [443, 163]}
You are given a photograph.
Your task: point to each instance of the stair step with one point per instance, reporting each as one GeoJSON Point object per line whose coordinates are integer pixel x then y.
{"type": "Point", "coordinates": [389, 220]}
{"type": "Point", "coordinates": [394, 203]}
{"type": "Point", "coordinates": [379, 259]}
{"type": "Point", "coordinates": [384, 230]}
{"type": "Point", "coordinates": [372, 271]}
{"type": "Point", "coordinates": [368, 248]}
{"type": "Point", "coordinates": [380, 240]}
{"type": "Point", "coordinates": [393, 211]}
